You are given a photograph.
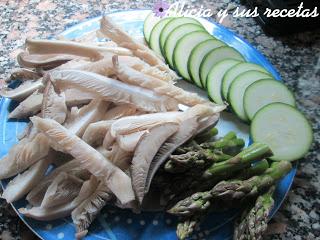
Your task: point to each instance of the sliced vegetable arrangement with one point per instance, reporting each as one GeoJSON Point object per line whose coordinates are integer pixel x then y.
{"type": "Point", "coordinates": [223, 72]}
{"type": "Point", "coordinates": [107, 127]}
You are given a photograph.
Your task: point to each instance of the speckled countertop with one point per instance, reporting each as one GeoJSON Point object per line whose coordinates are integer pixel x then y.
{"type": "Point", "coordinates": [297, 58]}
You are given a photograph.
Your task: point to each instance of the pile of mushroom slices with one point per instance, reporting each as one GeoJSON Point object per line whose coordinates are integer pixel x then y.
{"type": "Point", "coordinates": [104, 116]}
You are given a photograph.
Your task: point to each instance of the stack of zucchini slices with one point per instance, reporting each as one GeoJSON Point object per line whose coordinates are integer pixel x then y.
{"type": "Point", "coordinates": [251, 91]}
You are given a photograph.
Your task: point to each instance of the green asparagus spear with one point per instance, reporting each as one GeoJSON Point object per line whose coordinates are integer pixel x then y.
{"type": "Point", "coordinates": [206, 136]}
{"type": "Point", "coordinates": [256, 169]}
{"type": "Point", "coordinates": [231, 190]}
{"type": "Point", "coordinates": [242, 160]}
{"type": "Point", "coordinates": [241, 189]}
{"type": "Point", "coordinates": [253, 222]}
{"type": "Point", "coordinates": [194, 159]}
{"type": "Point", "coordinates": [186, 228]}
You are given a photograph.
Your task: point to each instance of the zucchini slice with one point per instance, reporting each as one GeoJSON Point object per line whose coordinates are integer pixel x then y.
{"type": "Point", "coordinates": [238, 88]}
{"type": "Point", "coordinates": [284, 129]}
{"type": "Point", "coordinates": [148, 25]}
{"type": "Point", "coordinates": [215, 77]}
{"type": "Point", "coordinates": [175, 36]}
{"type": "Point", "coordinates": [183, 50]}
{"type": "Point", "coordinates": [215, 56]}
{"type": "Point", "coordinates": [154, 41]}
{"type": "Point", "coordinates": [237, 70]}
{"type": "Point", "coordinates": [196, 56]}
{"type": "Point", "coordinates": [264, 92]}
{"type": "Point", "coordinates": [172, 25]}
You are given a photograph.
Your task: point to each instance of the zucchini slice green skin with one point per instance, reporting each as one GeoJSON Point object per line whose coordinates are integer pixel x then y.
{"type": "Point", "coordinates": [155, 35]}
{"type": "Point", "coordinates": [215, 56]}
{"type": "Point", "coordinates": [183, 50]}
{"type": "Point", "coordinates": [171, 26]}
{"type": "Point", "coordinates": [264, 92]}
{"type": "Point", "coordinates": [235, 71]}
{"type": "Point", "coordinates": [237, 90]}
{"type": "Point", "coordinates": [196, 56]}
{"type": "Point", "coordinates": [175, 36]}
{"type": "Point", "coordinates": [148, 24]}
{"type": "Point", "coordinates": [215, 77]}
{"type": "Point", "coordinates": [284, 129]}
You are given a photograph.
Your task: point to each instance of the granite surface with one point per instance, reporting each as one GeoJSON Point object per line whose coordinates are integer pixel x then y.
{"type": "Point", "coordinates": [297, 58]}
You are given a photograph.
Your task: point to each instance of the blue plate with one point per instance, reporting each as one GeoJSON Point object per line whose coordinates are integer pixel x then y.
{"type": "Point", "coordinates": [113, 223]}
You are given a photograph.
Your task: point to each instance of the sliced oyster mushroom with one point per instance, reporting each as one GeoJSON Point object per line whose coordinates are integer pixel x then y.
{"type": "Point", "coordinates": [62, 47]}
{"type": "Point", "coordinates": [53, 104]}
{"type": "Point", "coordinates": [120, 111]}
{"type": "Point", "coordinates": [64, 210]}
{"type": "Point", "coordinates": [120, 157]}
{"type": "Point", "coordinates": [134, 77]}
{"type": "Point", "coordinates": [116, 180]}
{"type": "Point", "coordinates": [145, 152]}
{"type": "Point", "coordinates": [131, 124]}
{"type": "Point", "coordinates": [45, 61]}
{"type": "Point", "coordinates": [23, 74]}
{"type": "Point", "coordinates": [28, 107]}
{"type": "Point", "coordinates": [95, 132]}
{"type": "Point", "coordinates": [73, 168]}
{"type": "Point", "coordinates": [63, 189]}
{"type": "Point", "coordinates": [75, 97]}
{"type": "Point", "coordinates": [113, 90]}
{"type": "Point", "coordinates": [116, 34]}
{"type": "Point", "coordinates": [129, 141]}
{"type": "Point", "coordinates": [23, 155]}
{"type": "Point", "coordinates": [90, 113]}
{"type": "Point", "coordinates": [23, 183]}
{"type": "Point", "coordinates": [23, 91]}
{"type": "Point", "coordinates": [87, 211]}
{"type": "Point", "coordinates": [187, 130]}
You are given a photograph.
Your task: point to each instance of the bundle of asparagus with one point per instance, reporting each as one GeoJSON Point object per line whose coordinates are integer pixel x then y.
{"type": "Point", "coordinates": [205, 173]}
